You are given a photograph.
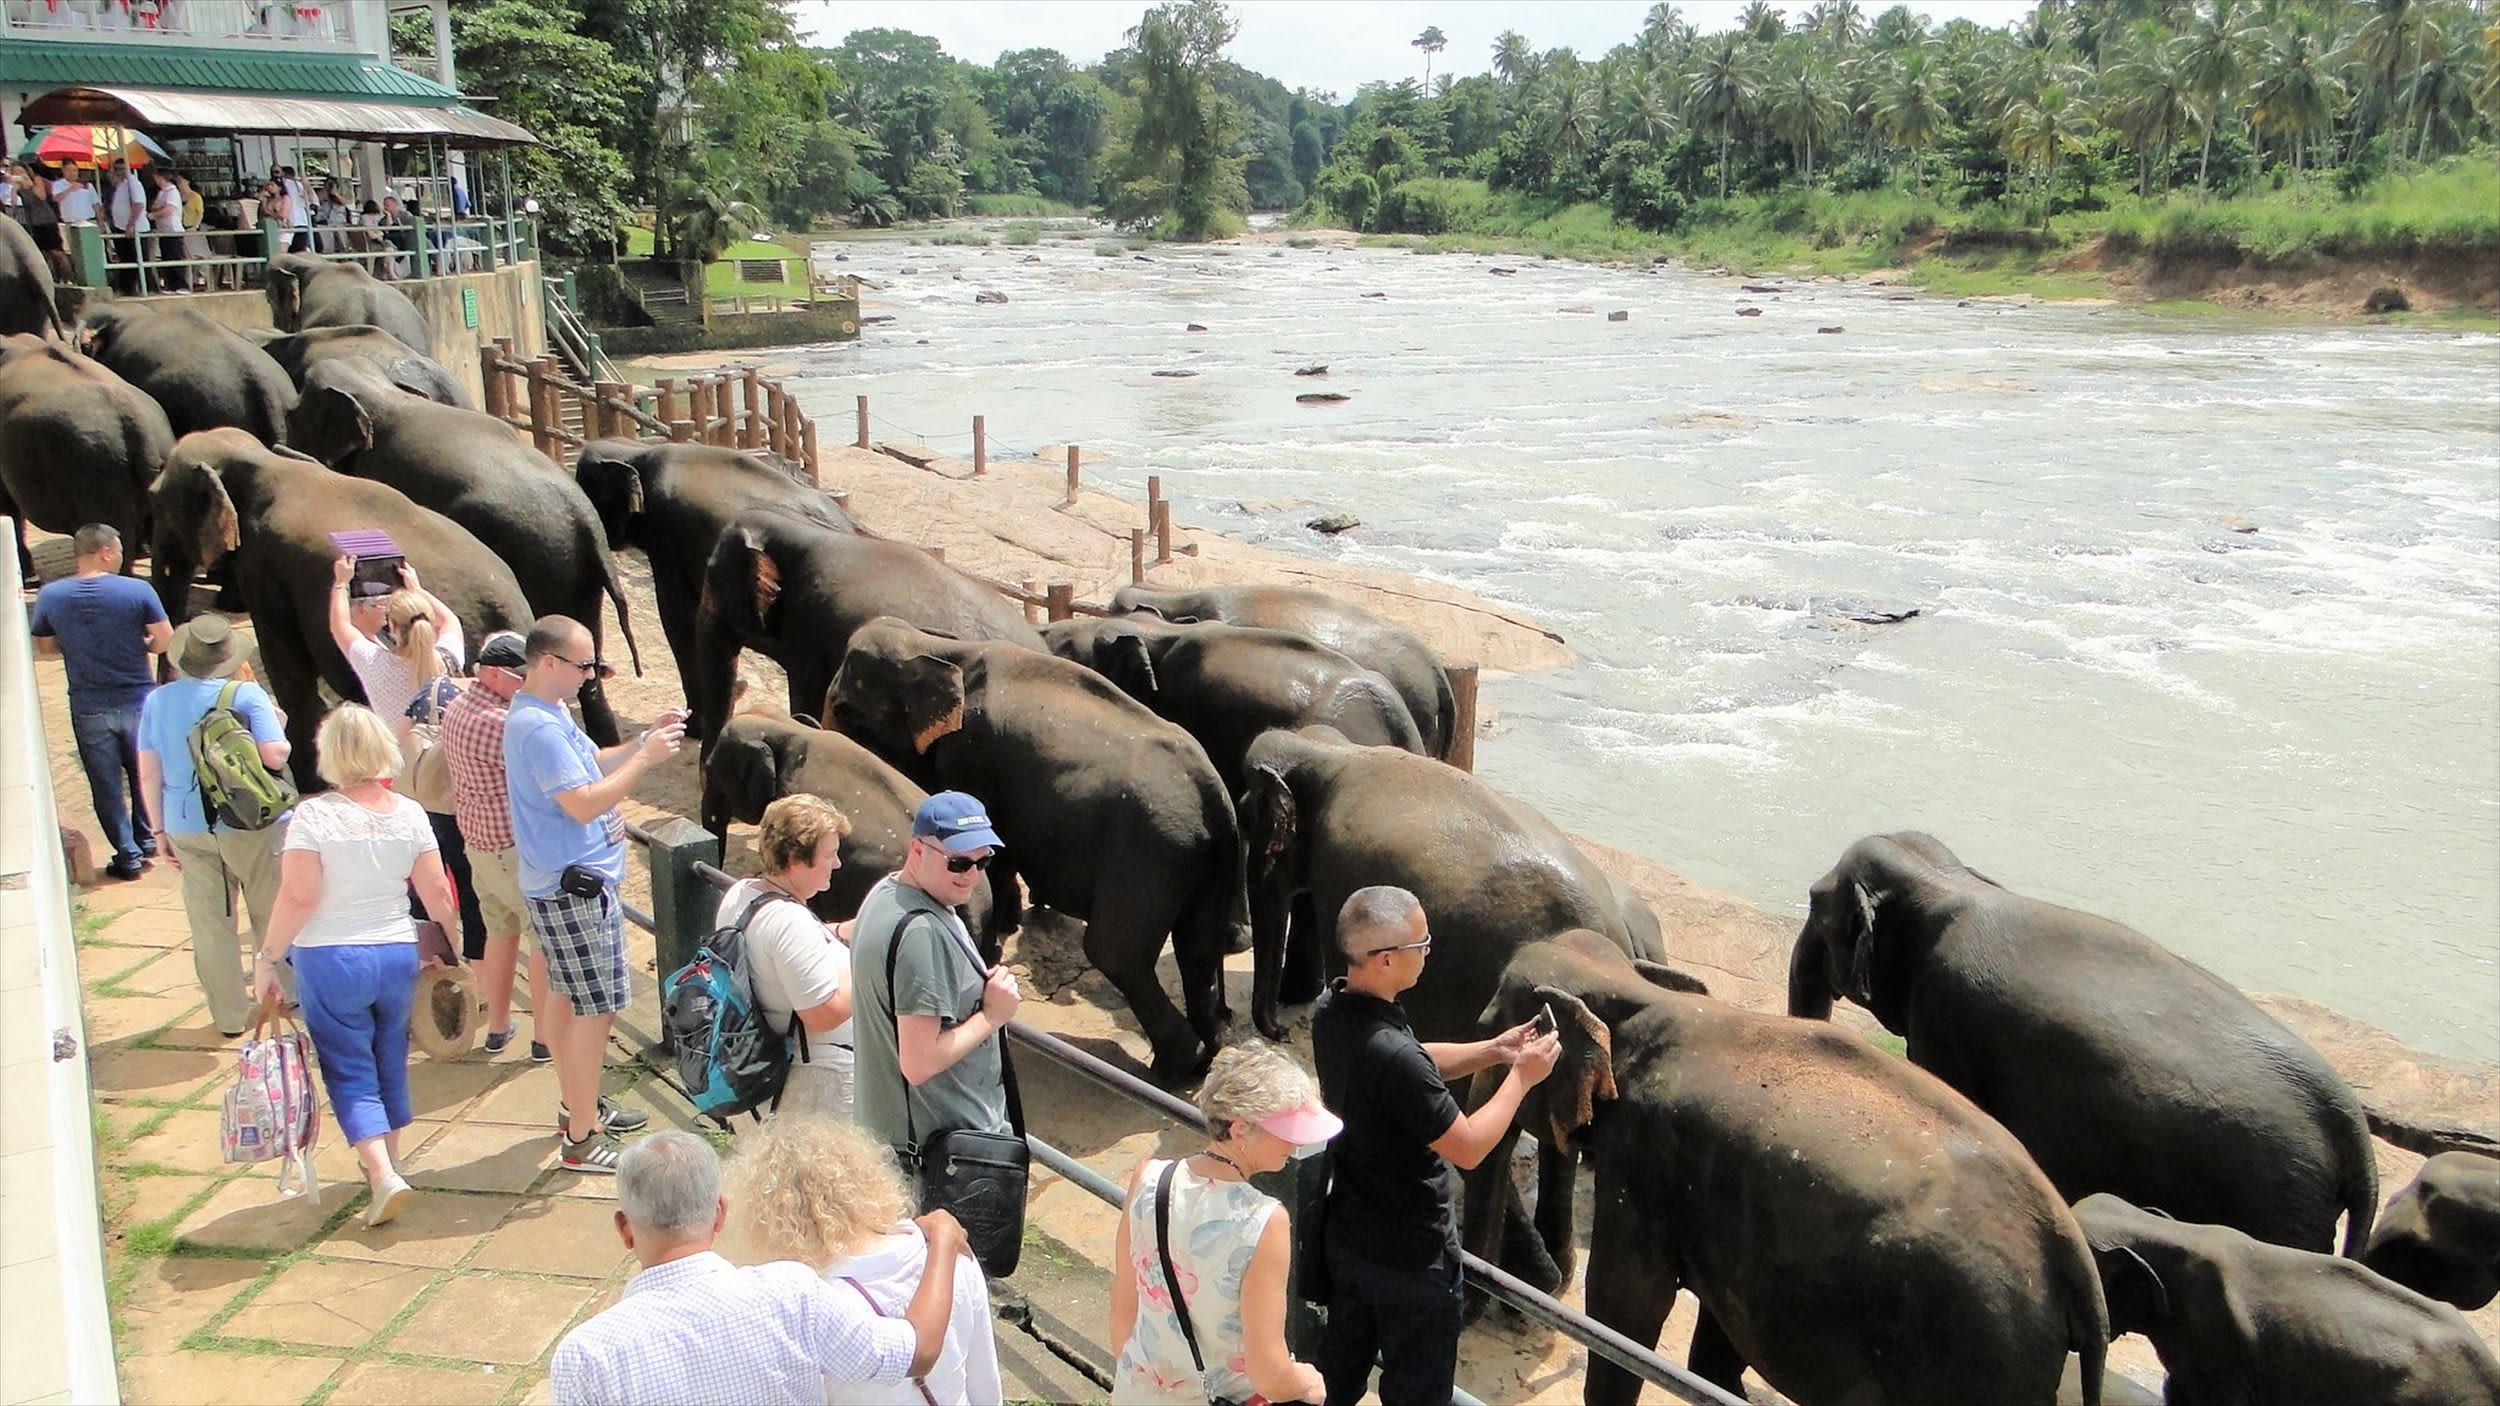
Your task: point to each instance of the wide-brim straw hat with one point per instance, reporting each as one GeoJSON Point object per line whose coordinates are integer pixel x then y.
{"type": "Point", "coordinates": [447, 1014]}
{"type": "Point", "coordinates": [207, 649]}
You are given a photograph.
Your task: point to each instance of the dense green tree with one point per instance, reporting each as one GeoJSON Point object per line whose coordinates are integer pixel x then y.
{"type": "Point", "coordinates": [1180, 170]}
{"type": "Point", "coordinates": [1431, 41]}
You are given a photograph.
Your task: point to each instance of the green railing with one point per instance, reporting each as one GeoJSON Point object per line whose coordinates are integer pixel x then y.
{"type": "Point", "coordinates": [236, 258]}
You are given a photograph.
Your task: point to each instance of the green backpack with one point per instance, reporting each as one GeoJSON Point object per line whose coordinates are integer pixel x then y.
{"type": "Point", "coordinates": [236, 789]}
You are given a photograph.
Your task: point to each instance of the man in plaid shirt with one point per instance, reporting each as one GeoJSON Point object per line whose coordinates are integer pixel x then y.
{"type": "Point", "coordinates": [473, 748]}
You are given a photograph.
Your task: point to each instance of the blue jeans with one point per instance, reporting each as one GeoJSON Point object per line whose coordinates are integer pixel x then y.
{"type": "Point", "coordinates": [108, 750]}
{"type": "Point", "coordinates": [356, 1001]}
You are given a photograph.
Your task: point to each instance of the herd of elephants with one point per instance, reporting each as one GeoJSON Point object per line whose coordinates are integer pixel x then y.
{"type": "Point", "coordinates": [2090, 1135]}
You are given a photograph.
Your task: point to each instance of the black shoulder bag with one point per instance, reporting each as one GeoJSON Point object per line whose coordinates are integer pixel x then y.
{"type": "Point", "coordinates": [1172, 1281]}
{"type": "Point", "coordinates": [976, 1174]}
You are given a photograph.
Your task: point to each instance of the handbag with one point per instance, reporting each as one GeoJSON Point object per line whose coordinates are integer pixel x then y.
{"type": "Point", "coordinates": [272, 1110]}
{"type": "Point", "coordinates": [1172, 1281]}
{"type": "Point", "coordinates": [428, 764]}
{"type": "Point", "coordinates": [976, 1174]}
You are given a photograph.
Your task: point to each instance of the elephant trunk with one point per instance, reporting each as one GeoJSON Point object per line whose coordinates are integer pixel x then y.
{"type": "Point", "coordinates": [624, 613]}
{"type": "Point", "coordinates": [1809, 985]}
{"type": "Point", "coordinates": [1270, 908]}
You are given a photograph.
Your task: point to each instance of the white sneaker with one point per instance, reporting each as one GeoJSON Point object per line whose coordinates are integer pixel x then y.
{"type": "Point", "coordinates": [388, 1198]}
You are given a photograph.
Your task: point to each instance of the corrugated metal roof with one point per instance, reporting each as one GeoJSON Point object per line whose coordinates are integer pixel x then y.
{"type": "Point", "coordinates": [36, 63]}
{"type": "Point", "coordinates": [158, 110]}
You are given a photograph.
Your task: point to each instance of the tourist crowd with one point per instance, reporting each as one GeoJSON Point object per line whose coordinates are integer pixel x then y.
{"type": "Point", "coordinates": [828, 1260]}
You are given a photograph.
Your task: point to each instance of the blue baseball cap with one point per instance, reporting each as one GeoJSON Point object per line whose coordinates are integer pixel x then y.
{"type": "Point", "coordinates": [957, 822]}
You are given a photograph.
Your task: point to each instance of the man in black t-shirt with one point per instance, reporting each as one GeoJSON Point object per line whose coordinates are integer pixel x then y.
{"type": "Point", "coordinates": [1392, 1227]}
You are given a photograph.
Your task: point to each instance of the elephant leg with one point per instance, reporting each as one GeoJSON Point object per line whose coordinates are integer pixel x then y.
{"type": "Point", "coordinates": [1631, 1281]}
{"type": "Point", "coordinates": [1523, 1253]}
{"type": "Point", "coordinates": [1305, 941]}
{"type": "Point", "coordinates": [1123, 936]}
{"type": "Point", "coordinates": [25, 558]}
{"type": "Point", "coordinates": [1557, 1187]}
{"type": "Point", "coordinates": [1201, 935]}
{"type": "Point", "coordinates": [1481, 1209]}
{"type": "Point", "coordinates": [1270, 908]}
{"type": "Point", "coordinates": [810, 680]}
{"type": "Point", "coordinates": [714, 670]}
{"type": "Point", "coordinates": [1714, 1357]}
{"type": "Point", "coordinates": [676, 608]}
{"type": "Point", "coordinates": [294, 681]}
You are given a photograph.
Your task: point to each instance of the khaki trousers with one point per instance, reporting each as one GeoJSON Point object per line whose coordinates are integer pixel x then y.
{"type": "Point", "coordinates": [215, 863]}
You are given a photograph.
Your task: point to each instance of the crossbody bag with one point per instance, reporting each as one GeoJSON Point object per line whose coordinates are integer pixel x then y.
{"type": "Point", "coordinates": [976, 1174]}
{"type": "Point", "coordinates": [922, 1383]}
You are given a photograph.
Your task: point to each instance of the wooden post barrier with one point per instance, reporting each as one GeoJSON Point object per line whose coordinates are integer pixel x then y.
{"type": "Point", "coordinates": [1136, 556]}
{"type": "Point", "coordinates": [1072, 477]}
{"type": "Point", "coordinates": [1154, 494]}
{"type": "Point", "coordinates": [542, 406]}
{"type": "Point", "coordinates": [792, 437]}
{"type": "Point", "coordinates": [863, 422]}
{"type": "Point", "coordinates": [1032, 607]}
{"type": "Point", "coordinates": [614, 423]}
{"type": "Point", "coordinates": [668, 401]}
{"type": "Point", "coordinates": [807, 453]}
{"type": "Point", "coordinates": [724, 412]}
{"type": "Point", "coordinates": [1462, 715]}
{"type": "Point", "coordinates": [751, 434]}
{"type": "Point", "coordinates": [490, 380]}
{"type": "Point", "coordinates": [681, 431]}
{"type": "Point", "coordinates": [980, 446]}
{"type": "Point", "coordinates": [773, 396]}
{"type": "Point", "coordinates": [1160, 515]}
{"type": "Point", "coordinates": [1060, 604]}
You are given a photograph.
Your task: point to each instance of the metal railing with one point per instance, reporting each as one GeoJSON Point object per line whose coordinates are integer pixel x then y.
{"type": "Point", "coordinates": [227, 22]}
{"type": "Point", "coordinates": [237, 258]}
{"type": "Point", "coordinates": [1496, 1283]}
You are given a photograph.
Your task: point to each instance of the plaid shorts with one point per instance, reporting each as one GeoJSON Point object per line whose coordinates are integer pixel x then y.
{"type": "Point", "coordinates": [584, 940]}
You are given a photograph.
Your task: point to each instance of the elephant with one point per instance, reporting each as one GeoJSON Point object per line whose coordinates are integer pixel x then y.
{"type": "Point", "coordinates": [1386, 649]}
{"type": "Point", "coordinates": [78, 444]}
{"type": "Point", "coordinates": [1324, 817]}
{"type": "Point", "coordinates": [473, 469]}
{"type": "Point", "coordinates": [1226, 684]}
{"type": "Point", "coordinates": [786, 583]}
{"type": "Point", "coordinates": [1109, 814]}
{"type": "Point", "coordinates": [672, 501]}
{"type": "Point", "coordinates": [300, 353]}
{"type": "Point", "coordinates": [2122, 1066]}
{"type": "Point", "coordinates": [2244, 1322]}
{"type": "Point", "coordinates": [224, 494]}
{"type": "Point", "coordinates": [758, 759]}
{"type": "Point", "coordinates": [1855, 1230]}
{"type": "Point", "coordinates": [307, 291]}
{"type": "Point", "coordinates": [28, 301]}
{"type": "Point", "coordinates": [202, 373]}
{"type": "Point", "coordinates": [2440, 1236]}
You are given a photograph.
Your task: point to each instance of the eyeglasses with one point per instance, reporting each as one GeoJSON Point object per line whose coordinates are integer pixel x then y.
{"type": "Point", "coordinates": [966, 863]}
{"type": "Point", "coordinates": [1423, 946]}
{"type": "Point", "coordinates": [588, 666]}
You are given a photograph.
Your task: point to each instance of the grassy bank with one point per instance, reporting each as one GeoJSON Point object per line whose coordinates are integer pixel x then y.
{"type": "Point", "coordinates": [1022, 207]}
{"type": "Point", "coordinates": [722, 281]}
{"type": "Point", "coordinates": [2438, 230]}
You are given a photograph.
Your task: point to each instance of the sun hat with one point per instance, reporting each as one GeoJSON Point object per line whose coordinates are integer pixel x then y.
{"type": "Point", "coordinates": [207, 649]}
{"type": "Point", "coordinates": [447, 1013]}
{"type": "Point", "coordinates": [956, 821]}
{"type": "Point", "coordinates": [1305, 1126]}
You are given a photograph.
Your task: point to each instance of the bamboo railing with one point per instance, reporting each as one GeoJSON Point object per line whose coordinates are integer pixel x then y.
{"type": "Point", "coordinates": [734, 410]}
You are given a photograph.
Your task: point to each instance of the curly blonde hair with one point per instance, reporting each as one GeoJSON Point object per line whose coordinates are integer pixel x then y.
{"type": "Point", "coordinates": [812, 1189]}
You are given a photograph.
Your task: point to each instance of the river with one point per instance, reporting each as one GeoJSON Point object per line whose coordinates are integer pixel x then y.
{"type": "Point", "coordinates": [2276, 750]}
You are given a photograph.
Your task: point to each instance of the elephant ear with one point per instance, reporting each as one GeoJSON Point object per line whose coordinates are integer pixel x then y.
{"type": "Point", "coordinates": [331, 424]}
{"type": "Point", "coordinates": [191, 492]}
{"type": "Point", "coordinates": [933, 699]}
{"type": "Point", "coordinates": [1665, 977]}
{"type": "Point", "coordinates": [1269, 818]}
{"type": "Point", "coordinates": [2138, 1300]}
{"type": "Point", "coordinates": [1585, 1076]}
{"type": "Point", "coordinates": [1130, 664]}
{"type": "Point", "coordinates": [763, 574]}
{"type": "Point", "coordinates": [1865, 924]}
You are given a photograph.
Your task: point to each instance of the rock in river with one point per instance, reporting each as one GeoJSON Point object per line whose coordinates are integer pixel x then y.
{"type": "Point", "coordinates": [1320, 369]}
{"type": "Point", "coordinates": [1828, 331]}
{"type": "Point", "coordinates": [1322, 397]}
{"type": "Point", "coordinates": [1619, 315]}
{"type": "Point", "coordinates": [988, 295]}
{"type": "Point", "coordinates": [1749, 312]}
{"type": "Point", "coordinates": [1333, 524]}
{"type": "Point", "coordinates": [1176, 375]}
{"type": "Point", "coordinates": [1195, 327]}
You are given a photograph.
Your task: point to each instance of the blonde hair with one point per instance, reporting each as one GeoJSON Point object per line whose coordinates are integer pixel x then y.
{"type": "Point", "coordinates": [410, 615]}
{"type": "Point", "coordinates": [813, 1189]}
{"type": "Point", "coordinates": [1251, 1081]}
{"type": "Point", "coordinates": [793, 827]}
{"type": "Point", "coordinates": [356, 747]}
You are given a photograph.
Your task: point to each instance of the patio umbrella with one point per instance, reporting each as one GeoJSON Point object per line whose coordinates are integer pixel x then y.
{"type": "Point", "coordinates": [88, 146]}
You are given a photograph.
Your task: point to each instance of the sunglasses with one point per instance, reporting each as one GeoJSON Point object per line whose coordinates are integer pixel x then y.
{"type": "Point", "coordinates": [1423, 946]}
{"type": "Point", "coordinates": [600, 667]}
{"type": "Point", "coordinates": [965, 863]}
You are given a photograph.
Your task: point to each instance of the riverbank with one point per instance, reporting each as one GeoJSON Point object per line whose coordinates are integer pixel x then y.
{"type": "Point", "coordinates": [2307, 252]}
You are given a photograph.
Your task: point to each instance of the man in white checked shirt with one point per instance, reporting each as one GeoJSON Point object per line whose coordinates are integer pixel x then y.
{"type": "Point", "coordinates": [692, 1327]}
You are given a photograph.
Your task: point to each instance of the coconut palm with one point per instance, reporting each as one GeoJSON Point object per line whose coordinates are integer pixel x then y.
{"type": "Point", "coordinates": [2439, 93]}
{"type": "Point", "coordinates": [2044, 130]}
{"type": "Point", "coordinates": [1839, 23]}
{"type": "Point", "coordinates": [1898, 28]}
{"type": "Point", "coordinates": [1760, 22]}
{"type": "Point", "coordinates": [1803, 105]}
{"type": "Point", "coordinates": [1726, 82]}
{"type": "Point", "coordinates": [2149, 99]}
{"type": "Point", "coordinates": [2296, 94]}
{"type": "Point", "coordinates": [1646, 114]}
{"type": "Point", "coordinates": [1514, 59]}
{"type": "Point", "coordinates": [1573, 116]}
{"type": "Point", "coordinates": [2487, 92]}
{"type": "Point", "coordinates": [1909, 106]}
{"type": "Point", "coordinates": [2214, 55]}
{"type": "Point", "coordinates": [2386, 45]}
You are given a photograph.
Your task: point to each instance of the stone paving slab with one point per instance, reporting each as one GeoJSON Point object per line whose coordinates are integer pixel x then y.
{"type": "Point", "coordinates": [221, 1379]}
{"type": "Point", "coordinates": [152, 1199]}
{"type": "Point", "coordinates": [186, 1140]}
{"type": "Point", "coordinates": [329, 1303]}
{"type": "Point", "coordinates": [505, 1319]}
{"type": "Point", "coordinates": [165, 1076]}
{"type": "Point", "coordinates": [395, 1384]}
{"type": "Point", "coordinates": [248, 1214]}
{"type": "Point", "coordinates": [483, 1157]}
{"type": "Point", "coordinates": [118, 1021]}
{"type": "Point", "coordinates": [437, 1229]}
{"type": "Point", "coordinates": [168, 1297]}
{"type": "Point", "coordinates": [574, 1237]}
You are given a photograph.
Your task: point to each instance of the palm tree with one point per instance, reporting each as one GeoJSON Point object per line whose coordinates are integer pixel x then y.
{"type": "Point", "coordinates": [2296, 94]}
{"type": "Point", "coordinates": [2214, 56]}
{"type": "Point", "coordinates": [1647, 114]}
{"type": "Point", "coordinates": [1760, 22]}
{"type": "Point", "coordinates": [1513, 58]}
{"type": "Point", "coordinates": [1431, 41]}
{"type": "Point", "coordinates": [2386, 44]}
{"type": "Point", "coordinates": [1573, 117]}
{"type": "Point", "coordinates": [2049, 127]}
{"type": "Point", "coordinates": [2440, 89]}
{"type": "Point", "coordinates": [1909, 106]}
{"type": "Point", "coordinates": [1898, 28]}
{"type": "Point", "coordinates": [1803, 105]}
{"type": "Point", "coordinates": [2487, 92]}
{"type": "Point", "coordinates": [1725, 84]}
{"type": "Point", "coordinates": [1839, 23]}
{"type": "Point", "coordinates": [2149, 99]}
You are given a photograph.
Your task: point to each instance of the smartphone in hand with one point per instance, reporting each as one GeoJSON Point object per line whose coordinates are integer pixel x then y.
{"type": "Point", "coordinates": [1545, 1019]}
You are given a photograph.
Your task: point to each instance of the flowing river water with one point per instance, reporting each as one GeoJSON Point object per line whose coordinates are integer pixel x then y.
{"type": "Point", "coordinates": [2277, 750]}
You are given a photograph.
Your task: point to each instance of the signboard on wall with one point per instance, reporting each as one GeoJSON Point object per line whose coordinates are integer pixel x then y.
{"type": "Point", "coordinates": [468, 307]}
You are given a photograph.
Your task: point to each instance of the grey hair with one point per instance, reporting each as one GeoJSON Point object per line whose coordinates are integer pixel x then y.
{"type": "Point", "coordinates": [1251, 1081]}
{"type": "Point", "coordinates": [1372, 917]}
{"type": "Point", "coordinates": [669, 1182]}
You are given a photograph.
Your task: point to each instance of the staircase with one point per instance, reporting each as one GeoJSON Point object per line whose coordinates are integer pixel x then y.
{"type": "Point", "coordinates": [657, 288]}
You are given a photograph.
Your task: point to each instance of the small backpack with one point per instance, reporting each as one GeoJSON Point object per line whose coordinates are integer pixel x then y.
{"type": "Point", "coordinates": [728, 1058]}
{"type": "Point", "coordinates": [236, 789]}
{"type": "Point", "coordinates": [271, 1109]}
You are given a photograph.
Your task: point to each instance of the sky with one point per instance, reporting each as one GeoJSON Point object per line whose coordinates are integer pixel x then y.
{"type": "Point", "coordinates": [1331, 45]}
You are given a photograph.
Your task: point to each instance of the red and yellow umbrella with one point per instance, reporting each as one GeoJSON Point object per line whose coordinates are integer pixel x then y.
{"type": "Point", "coordinates": [88, 146]}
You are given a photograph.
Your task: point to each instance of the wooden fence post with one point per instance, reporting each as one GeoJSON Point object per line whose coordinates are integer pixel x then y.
{"type": "Point", "coordinates": [773, 396]}
{"type": "Point", "coordinates": [668, 400]}
{"type": "Point", "coordinates": [1160, 515]}
{"type": "Point", "coordinates": [537, 386]}
{"type": "Point", "coordinates": [1060, 604]}
{"type": "Point", "coordinates": [793, 442]}
{"type": "Point", "coordinates": [1072, 477]}
{"type": "Point", "coordinates": [807, 453]}
{"type": "Point", "coordinates": [980, 446]}
{"type": "Point", "coordinates": [751, 435]}
{"type": "Point", "coordinates": [1462, 715]}
{"type": "Point", "coordinates": [863, 422]}
{"type": "Point", "coordinates": [1136, 556]}
{"type": "Point", "coordinates": [1032, 606]}
{"type": "Point", "coordinates": [725, 410]}
{"type": "Point", "coordinates": [613, 421]}
{"type": "Point", "coordinates": [490, 380]}
{"type": "Point", "coordinates": [680, 431]}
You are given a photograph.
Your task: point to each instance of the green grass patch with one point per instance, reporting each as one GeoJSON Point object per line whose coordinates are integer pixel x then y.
{"type": "Point", "coordinates": [2453, 207]}
{"type": "Point", "coordinates": [997, 207]}
{"type": "Point", "coordinates": [1021, 232]}
{"type": "Point", "coordinates": [1109, 250]}
{"type": "Point", "coordinates": [972, 237]}
{"type": "Point", "coordinates": [721, 279]}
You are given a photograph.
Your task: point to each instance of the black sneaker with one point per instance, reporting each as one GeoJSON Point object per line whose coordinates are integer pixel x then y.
{"type": "Point", "coordinates": [613, 1117]}
{"type": "Point", "coordinates": [497, 1041]}
{"type": "Point", "coordinates": [125, 869]}
{"type": "Point", "coordinates": [540, 1054]}
{"type": "Point", "coordinates": [596, 1154]}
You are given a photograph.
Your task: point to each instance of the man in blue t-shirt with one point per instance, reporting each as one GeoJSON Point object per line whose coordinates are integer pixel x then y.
{"type": "Point", "coordinates": [215, 860]}
{"type": "Point", "coordinates": [104, 625]}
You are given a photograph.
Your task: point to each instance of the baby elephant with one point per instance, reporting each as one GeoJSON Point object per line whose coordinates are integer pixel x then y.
{"type": "Point", "coordinates": [2245, 1322]}
{"type": "Point", "coordinates": [2441, 1235]}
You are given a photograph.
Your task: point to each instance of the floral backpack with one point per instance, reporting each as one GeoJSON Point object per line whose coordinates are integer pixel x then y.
{"type": "Point", "coordinates": [272, 1111]}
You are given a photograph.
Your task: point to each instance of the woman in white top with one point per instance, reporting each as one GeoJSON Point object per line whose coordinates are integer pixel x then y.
{"type": "Point", "coordinates": [800, 965]}
{"type": "Point", "coordinates": [829, 1195]}
{"type": "Point", "coordinates": [396, 643]}
{"type": "Point", "coordinates": [341, 920]}
{"type": "Point", "coordinates": [165, 217]}
{"type": "Point", "coordinates": [1229, 1246]}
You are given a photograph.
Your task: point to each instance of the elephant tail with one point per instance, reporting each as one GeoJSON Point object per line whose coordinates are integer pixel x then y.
{"type": "Point", "coordinates": [2087, 1317]}
{"type": "Point", "coordinates": [2359, 1185]}
{"type": "Point", "coordinates": [624, 612]}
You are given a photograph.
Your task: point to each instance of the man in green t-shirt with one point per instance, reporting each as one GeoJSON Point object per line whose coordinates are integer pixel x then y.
{"type": "Point", "coordinates": [926, 1042]}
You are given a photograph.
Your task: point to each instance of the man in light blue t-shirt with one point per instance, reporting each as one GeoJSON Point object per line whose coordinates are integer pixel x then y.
{"type": "Point", "coordinates": [215, 859]}
{"type": "Point", "coordinates": [105, 625]}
